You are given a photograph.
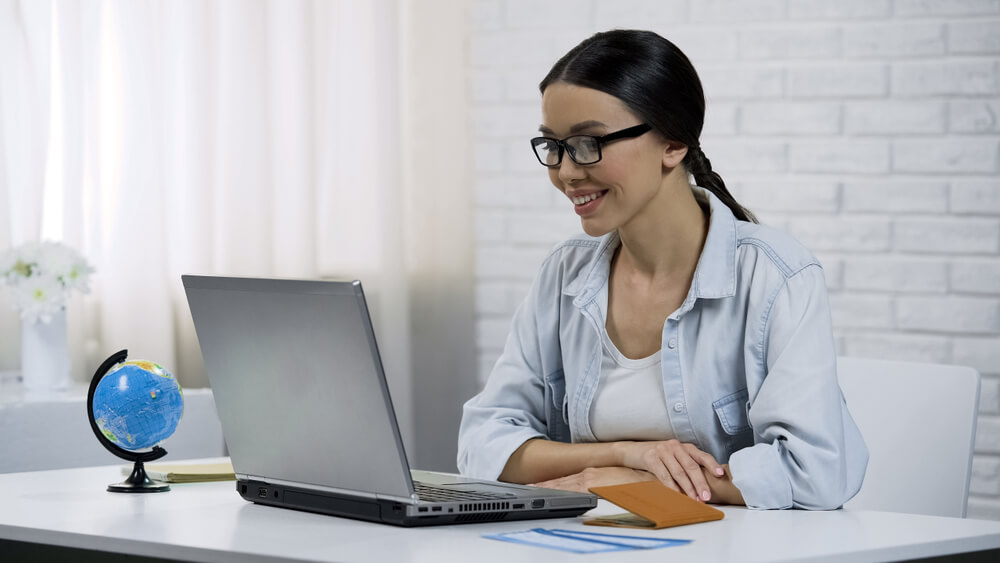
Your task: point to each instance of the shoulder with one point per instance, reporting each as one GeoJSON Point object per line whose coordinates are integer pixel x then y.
{"type": "Point", "coordinates": [575, 253]}
{"type": "Point", "coordinates": [765, 246]}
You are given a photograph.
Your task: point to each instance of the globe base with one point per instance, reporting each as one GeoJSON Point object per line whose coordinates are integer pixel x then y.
{"type": "Point", "coordinates": [139, 482]}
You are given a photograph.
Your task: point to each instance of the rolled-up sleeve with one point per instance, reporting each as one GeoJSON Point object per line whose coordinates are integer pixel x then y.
{"type": "Point", "coordinates": [510, 410]}
{"type": "Point", "coordinates": [807, 452]}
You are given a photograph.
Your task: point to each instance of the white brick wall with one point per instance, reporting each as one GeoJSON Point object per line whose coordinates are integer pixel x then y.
{"type": "Point", "coordinates": [869, 129]}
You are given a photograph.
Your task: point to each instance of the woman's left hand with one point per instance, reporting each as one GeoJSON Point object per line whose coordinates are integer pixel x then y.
{"type": "Point", "coordinates": [597, 477]}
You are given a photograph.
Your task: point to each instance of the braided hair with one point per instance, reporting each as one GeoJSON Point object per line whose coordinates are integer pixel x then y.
{"type": "Point", "coordinates": [701, 168]}
{"type": "Point", "coordinates": [655, 80]}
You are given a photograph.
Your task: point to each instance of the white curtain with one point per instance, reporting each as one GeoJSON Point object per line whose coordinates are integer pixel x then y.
{"type": "Point", "coordinates": [243, 137]}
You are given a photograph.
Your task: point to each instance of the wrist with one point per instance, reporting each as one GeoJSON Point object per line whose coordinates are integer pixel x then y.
{"type": "Point", "coordinates": [722, 488]}
{"type": "Point", "coordinates": [621, 454]}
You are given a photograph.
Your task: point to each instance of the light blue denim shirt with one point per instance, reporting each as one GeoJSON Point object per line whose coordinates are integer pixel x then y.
{"type": "Point", "coordinates": [748, 361]}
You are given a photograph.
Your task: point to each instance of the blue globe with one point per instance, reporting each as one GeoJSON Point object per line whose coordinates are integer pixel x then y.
{"type": "Point", "coordinates": [138, 404]}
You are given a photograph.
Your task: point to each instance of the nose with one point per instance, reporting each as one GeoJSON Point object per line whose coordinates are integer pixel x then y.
{"type": "Point", "coordinates": [569, 170]}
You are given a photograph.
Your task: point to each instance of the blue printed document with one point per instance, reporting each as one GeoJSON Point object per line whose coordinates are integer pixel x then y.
{"type": "Point", "coordinates": [583, 542]}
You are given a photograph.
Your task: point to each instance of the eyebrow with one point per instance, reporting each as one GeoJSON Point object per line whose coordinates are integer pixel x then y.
{"type": "Point", "coordinates": [574, 129]}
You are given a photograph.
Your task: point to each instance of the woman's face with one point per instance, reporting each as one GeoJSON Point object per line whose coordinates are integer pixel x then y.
{"type": "Point", "coordinates": [608, 194]}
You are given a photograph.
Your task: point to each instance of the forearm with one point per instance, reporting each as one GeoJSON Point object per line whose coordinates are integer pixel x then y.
{"type": "Point", "coordinates": [541, 460]}
{"type": "Point", "coordinates": [722, 488]}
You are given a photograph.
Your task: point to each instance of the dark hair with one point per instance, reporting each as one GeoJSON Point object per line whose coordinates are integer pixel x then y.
{"type": "Point", "coordinates": [657, 82]}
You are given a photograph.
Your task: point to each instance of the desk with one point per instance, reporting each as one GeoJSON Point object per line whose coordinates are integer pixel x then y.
{"type": "Point", "coordinates": [210, 522]}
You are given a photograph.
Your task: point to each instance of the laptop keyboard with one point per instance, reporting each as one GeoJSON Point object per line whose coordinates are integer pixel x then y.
{"type": "Point", "coordinates": [433, 493]}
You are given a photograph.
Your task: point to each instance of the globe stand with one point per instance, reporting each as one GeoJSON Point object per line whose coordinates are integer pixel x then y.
{"type": "Point", "coordinates": [138, 481]}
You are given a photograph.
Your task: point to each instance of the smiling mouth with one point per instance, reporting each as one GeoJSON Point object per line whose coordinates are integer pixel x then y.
{"type": "Point", "coordinates": [580, 200]}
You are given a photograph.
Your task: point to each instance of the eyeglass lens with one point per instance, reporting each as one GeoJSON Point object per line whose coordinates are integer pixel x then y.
{"type": "Point", "coordinates": [583, 149]}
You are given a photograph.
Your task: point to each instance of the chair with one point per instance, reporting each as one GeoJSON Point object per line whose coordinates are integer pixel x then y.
{"type": "Point", "coordinates": [919, 421]}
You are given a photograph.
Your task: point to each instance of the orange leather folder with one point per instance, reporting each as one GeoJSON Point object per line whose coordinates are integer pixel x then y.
{"type": "Point", "coordinates": [652, 505]}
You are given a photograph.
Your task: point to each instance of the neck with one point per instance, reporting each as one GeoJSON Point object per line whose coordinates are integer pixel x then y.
{"type": "Point", "coordinates": [664, 242]}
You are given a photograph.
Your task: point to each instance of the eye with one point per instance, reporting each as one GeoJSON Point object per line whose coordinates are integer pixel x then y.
{"type": "Point", "coordinates": [585, 148]}
{"type": "Point", "coordinates": [547, 149]}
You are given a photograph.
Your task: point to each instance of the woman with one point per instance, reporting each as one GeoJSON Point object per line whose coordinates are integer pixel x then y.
{"type": "Point", "coordinates": [684, 342]}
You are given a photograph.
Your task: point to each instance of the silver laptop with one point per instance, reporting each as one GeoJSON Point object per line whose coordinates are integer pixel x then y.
{"type": "Point", "coordinates": [307, 417]}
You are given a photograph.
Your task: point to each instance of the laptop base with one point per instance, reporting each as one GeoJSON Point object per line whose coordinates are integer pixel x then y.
{"type": "Point", "coordinates": [389, 511]}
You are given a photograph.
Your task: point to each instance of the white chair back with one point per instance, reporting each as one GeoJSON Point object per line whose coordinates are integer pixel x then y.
{"type": "Point", "coordinates": [919, 421]}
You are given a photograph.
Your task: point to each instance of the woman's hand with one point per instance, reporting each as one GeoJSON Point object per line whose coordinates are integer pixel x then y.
{"type": "Point", "coordinates": [597, 477]}
{"type": "Point", "coordinates": [676, 464]}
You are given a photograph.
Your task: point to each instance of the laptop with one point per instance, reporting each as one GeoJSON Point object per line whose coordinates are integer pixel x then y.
{"type": "Point", "coordinates": [306, 413]}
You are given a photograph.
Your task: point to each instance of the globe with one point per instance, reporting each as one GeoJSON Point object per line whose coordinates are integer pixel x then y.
{"type": "Point", "coordinates": [138, 404]}
{"type": "Point", "coordinates": [133, 407]}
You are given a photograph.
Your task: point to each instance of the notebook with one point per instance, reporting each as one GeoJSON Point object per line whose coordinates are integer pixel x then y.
{"type": "Point", "coordinates": [186, 472]}
{"type": "Point", "coordinates": [306, 413]}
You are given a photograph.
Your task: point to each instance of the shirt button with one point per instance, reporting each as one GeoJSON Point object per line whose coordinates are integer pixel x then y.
{"type": "Point", "coordinates": [672, 343]}
{"type": "Point", "coordinates": [678, 407]}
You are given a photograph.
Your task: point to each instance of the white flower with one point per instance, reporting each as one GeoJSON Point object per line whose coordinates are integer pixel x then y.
{"type": "Point", "coordinates": [27, 254]}
{"type": "Point", "coordinates": [65, 264]}
{"type": "Point", "coordinates": [54, 259]}
{"type": "Point", "coordinates": [42, 275]}
{"type": "Point", "coordinates": [40, 297]}
{"type": "Point", "coordinates": [78, 277]}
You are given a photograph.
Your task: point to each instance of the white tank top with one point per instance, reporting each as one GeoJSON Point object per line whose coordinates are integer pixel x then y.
{"type": "Point", "coordinates": [629, 403]}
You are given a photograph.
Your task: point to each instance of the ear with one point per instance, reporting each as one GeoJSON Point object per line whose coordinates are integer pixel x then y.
{"type": "Point", "coordinates": [673, 154]}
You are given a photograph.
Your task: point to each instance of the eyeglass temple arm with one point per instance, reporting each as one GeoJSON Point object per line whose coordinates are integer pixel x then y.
{"type": "Point", "coordinates": [630, 132]}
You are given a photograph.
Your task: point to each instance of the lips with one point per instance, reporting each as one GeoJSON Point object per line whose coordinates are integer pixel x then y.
{"type": "Point", "coordinates": [586, 204]}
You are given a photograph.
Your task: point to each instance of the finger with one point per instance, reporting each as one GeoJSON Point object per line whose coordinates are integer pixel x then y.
{"type": "Point", "coordinates": [659, 470]}
{"type": "Point", "coordinates": [680, 476]}
{"type": "Point", "coordinates": [697, 476]}
{"type": "Point", "coordinates": [655, 465]}
{"type": "Point", "coordinates": [707, 461]}
{"type": "Point", "coordinates": [693, 459]}
{"type": "Point", "coordinates": [550, 484]}
{"type": "Point", "coordinates": [670, 483]}
{"type": "Point", "coordinates": [567, 483]}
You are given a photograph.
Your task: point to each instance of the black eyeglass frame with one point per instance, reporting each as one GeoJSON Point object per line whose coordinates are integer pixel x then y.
{"type": "Point", "coordinates": [564, 148]}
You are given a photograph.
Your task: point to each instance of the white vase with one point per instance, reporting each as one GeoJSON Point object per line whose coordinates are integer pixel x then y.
{"type": "Point", "coordinates": [45, 354]}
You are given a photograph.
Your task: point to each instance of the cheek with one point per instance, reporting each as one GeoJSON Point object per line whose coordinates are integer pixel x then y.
{"type": "Point", "coordinates": [641, 169]}
{"type": "Point", "coordinates": [615, 173]}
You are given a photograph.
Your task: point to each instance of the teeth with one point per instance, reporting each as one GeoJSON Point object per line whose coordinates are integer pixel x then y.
{"type": "Point", "coordinates": [585, 198]}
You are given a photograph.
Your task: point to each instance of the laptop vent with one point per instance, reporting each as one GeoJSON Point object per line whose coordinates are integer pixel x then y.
{"type": "Point", "coordinates": [481, 517]}
{"type": "Point", "coordinates": [481, 506]}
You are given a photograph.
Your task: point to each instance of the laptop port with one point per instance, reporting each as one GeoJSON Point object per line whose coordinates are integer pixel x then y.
{"type": "Point", "coordinates": [262, 492]}
{"type": "Point", "coordinates": [422, 509]}
{"type": "Point", "coordinates": [435, 509]}
{"type": "Point", "coordinates": [519, 506]}
{"type": "Point", "coordinates": [537, 503]}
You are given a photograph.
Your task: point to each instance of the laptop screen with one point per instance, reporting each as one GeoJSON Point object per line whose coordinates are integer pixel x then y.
{"type": "Point", "coordinates": [298, 383]}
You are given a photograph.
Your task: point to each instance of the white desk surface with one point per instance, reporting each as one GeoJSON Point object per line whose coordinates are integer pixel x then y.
{"type": "Point", "coordinates": [210, 522]}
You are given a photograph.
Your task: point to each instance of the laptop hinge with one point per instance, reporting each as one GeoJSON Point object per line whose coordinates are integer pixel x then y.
{"type": "Point", "coordinates": [413, 499]}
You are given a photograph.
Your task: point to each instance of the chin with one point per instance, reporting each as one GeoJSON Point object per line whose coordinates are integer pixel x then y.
{"type": "Point", "coordinates": [595, 229]}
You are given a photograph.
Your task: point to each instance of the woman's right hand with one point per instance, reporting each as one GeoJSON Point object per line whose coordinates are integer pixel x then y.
{"type": "Point", "coordinates": [676, 464]}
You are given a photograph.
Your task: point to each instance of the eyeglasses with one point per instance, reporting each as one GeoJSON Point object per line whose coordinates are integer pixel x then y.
{"type": "Point", "coordinates": [583, 149]}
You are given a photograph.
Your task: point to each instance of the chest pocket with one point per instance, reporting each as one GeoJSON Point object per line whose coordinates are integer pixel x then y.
{"type": "Point", "coordinates": [731, 411]}
{"type": "Point", "coordinates": [556, 420]}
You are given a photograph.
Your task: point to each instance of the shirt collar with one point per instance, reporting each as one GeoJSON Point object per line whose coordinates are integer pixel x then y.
{"type": "Point", "coordinates": [714, 276]}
